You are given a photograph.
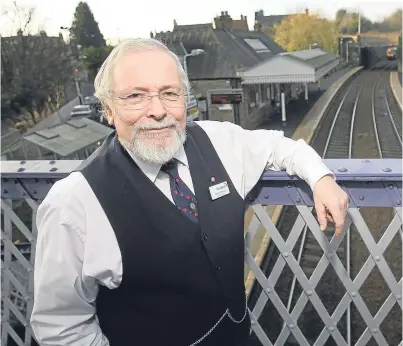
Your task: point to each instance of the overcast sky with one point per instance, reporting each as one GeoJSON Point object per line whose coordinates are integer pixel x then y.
{"type": "Point", "coordinates": [125, 18]}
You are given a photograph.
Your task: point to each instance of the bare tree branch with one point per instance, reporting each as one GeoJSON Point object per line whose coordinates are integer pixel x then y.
{"type": "Point", "coordinates": [19, 16]}
{"type": "Point", "coordinates": [35, 69]}
{"type": "Point", "coordinates": [28, 18]}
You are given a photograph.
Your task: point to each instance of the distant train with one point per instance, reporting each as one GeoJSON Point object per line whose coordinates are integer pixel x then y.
{"type": "Point", "coordinates": [391, 53]}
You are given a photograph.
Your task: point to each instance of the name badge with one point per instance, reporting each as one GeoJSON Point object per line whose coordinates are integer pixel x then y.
{"type": "Point", "coordinates": [219, 190]}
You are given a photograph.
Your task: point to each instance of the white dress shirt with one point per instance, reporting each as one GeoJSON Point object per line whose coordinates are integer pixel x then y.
{"type": "Point", "coordinates": [77, 249]}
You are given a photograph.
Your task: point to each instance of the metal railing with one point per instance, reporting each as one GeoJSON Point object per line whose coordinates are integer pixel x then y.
{"type": "Point", "coordinates": [369, 184]}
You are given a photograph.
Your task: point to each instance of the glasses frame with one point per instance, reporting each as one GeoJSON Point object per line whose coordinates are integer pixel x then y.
{"type": "Point", "coordinates": [150, 95]}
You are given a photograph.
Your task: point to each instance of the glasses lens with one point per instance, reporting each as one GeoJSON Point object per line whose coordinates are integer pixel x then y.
{"type": "Point", "coordinates": [139, 100]}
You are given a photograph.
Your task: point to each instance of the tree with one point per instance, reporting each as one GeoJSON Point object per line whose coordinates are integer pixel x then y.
{"type": "Point", "coordinates": [393, 22]}
{"type": "Point", "coordinates": [340, 14]}
{"type": "Point", "coordinates": [34, 70]}
{"type": "Point", "coordinates": [85, 30]}
{"type": "Point", "coordinates": [94, 58]}
{"type": "Point", "coordinates": [302, 31]}
{"type": "Point", "coordinates": [19, 17]}
{"type": "Point", "coordinates": [347, 22]}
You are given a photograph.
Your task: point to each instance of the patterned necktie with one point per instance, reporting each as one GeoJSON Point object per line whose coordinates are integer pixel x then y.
{"type": "Point", "coordinates": [183, 197]}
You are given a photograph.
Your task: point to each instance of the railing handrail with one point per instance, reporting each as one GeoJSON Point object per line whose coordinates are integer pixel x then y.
{"type": "Point", "coordinates": [33, 179]}
{"type": "Point", "coordinates": [343, 169]}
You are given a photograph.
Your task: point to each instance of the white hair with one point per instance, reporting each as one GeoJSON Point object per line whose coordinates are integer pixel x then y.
{"type": "Point", "coordinates": [103, 80]}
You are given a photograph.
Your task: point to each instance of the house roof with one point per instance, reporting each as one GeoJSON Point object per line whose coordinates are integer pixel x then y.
{"type": "Point", "coordinates": [192, 27]}
{"type": "Point", "coordinates": [70, 137]}
{"type": "Point", "coordinates": [240, 24]}
{"type": "Point", "coordinates": [269, 20]}
{"type": "Point", "coordinates": [316, 58]}
{"type": "Point", "coordinates": [226, 50]}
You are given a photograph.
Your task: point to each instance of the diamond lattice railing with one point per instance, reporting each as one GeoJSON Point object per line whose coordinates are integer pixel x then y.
{"type": "Point", "coordinates": [309, 285]}
{"type": "Point", "coordinates": [305, 286]}
{"type": "Point", "coordinates": [17, 268]}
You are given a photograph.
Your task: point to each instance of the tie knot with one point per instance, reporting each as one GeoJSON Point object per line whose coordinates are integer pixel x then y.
{"type": "Point", "coordinates": [170, 168]}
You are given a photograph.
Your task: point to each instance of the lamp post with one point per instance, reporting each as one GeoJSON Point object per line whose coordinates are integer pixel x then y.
{"type": "Point", "coordinates": [194, 52]}
{"type": "Point", "coordinates": [77, 72]}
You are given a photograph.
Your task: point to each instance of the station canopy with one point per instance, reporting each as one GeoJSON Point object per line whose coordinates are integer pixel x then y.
{"type": "Point", "coordinates": [304, 66]}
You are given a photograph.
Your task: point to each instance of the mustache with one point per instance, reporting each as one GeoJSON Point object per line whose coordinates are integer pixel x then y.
{"type": "Point", "coordinates": [157, 125]}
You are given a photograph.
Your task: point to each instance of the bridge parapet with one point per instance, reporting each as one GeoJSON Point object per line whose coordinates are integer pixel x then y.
{"type": "Point", "coordinates": [288, 279]}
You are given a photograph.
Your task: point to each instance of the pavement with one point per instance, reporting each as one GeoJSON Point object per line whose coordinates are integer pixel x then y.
{"type": "Point", "coordinates": [298, 109]}
{"type": "Point", "coordinates": [396, 85]}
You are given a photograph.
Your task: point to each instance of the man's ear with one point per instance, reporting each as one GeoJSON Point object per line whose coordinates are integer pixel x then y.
{"type": "Point", "coordinates": [108, 113]}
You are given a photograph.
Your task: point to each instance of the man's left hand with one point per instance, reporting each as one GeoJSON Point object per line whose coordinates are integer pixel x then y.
{"type": "Point", "coordinates": [331, 203]}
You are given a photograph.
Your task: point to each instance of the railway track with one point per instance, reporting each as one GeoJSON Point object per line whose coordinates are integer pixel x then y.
{"type": "Point", "coordinates": [384, 137]}
{"type": "Point", "coordinates": [363, 115]}
{"type": "Point", "coordinates": [387, 125]}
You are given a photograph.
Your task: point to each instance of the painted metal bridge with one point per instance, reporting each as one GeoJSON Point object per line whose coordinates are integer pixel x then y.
{"type": "Point", "coordinates": [371, 185]}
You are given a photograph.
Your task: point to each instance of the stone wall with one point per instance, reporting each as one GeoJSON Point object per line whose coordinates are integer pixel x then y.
{"type": "Point", "coordinates": [251, 114]}
{"type": "Point", "coordinates": [201, 87]}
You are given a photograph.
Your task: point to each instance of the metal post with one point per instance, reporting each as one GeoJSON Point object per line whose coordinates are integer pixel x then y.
{"type": "Point", "coordinates": [341, 49]}
{"type": "Point", "coordinates": [209, 105]}
{"type": "Point", "coordinates": [283, 110]}
{"type": "Point", "coordinates": [278, 92]}
{"type": "Point", "coordinates": [235, 107]}
{"type": "Point", "coordinates": [80, 96]}
{"type": "Point", "coordinates": [306, 91]}
{"type": "Point", "coordinates": [6, 269]}
{"type": "Point", "coordinates": [185, 66]}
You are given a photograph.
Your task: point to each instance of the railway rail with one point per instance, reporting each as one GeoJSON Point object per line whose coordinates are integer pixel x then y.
{"type": "Point", "coordinates": [363, 121]}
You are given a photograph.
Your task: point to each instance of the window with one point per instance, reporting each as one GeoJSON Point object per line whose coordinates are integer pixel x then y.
{"type": "Point", "coordinates": [257, 45]}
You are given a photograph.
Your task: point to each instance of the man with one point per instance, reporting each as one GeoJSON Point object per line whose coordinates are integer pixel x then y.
{"type": "Point", "coordinates": [143, 243]}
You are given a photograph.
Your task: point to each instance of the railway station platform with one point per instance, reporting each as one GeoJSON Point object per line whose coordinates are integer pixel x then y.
{"type": "Point", "coordinates": [285, 75]}
{"type": "Point", "coordinates": [396, 86]}
{"type": "Point", "coordinates": [300, 109]}
{"type": "Point", "coordinates": [304, 286]}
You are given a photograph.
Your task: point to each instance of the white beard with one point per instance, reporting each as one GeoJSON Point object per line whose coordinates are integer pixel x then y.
{"type": "Point", "coordinates": [151, 147]}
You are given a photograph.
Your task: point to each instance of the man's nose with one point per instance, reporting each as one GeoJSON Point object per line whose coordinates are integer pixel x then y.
{"type": "Point", "coordinates": [156, 108]}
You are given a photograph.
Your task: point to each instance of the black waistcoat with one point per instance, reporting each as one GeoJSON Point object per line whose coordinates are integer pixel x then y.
{"type": "Point", "coordinates": [179, 277]}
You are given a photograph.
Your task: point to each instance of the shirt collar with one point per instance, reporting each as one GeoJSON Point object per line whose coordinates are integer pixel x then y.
{"type": "Point", "coordinates": [151, 170]}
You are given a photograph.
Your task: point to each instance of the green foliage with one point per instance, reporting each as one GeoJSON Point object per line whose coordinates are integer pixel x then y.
{"type": "Point", "coordinates": [94, 57]}
{"type": "Point", "coordinates": [85, 30]}
{"type": "Point", "coordinates": [302, 31]}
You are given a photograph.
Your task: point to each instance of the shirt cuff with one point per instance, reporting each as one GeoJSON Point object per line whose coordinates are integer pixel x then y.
{"type": "Point", "coordinates": [317, 172]}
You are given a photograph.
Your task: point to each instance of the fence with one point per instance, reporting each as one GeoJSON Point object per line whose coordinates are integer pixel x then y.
{"type": "Point", "coordinates": [368, 183]}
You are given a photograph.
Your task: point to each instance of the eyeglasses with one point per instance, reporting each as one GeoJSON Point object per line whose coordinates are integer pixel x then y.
{"type": "Point", "coordinates": [172, 98]}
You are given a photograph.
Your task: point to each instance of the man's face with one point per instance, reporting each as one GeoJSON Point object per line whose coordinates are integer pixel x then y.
{"type": "Point", "coordinates": [149, 110]}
